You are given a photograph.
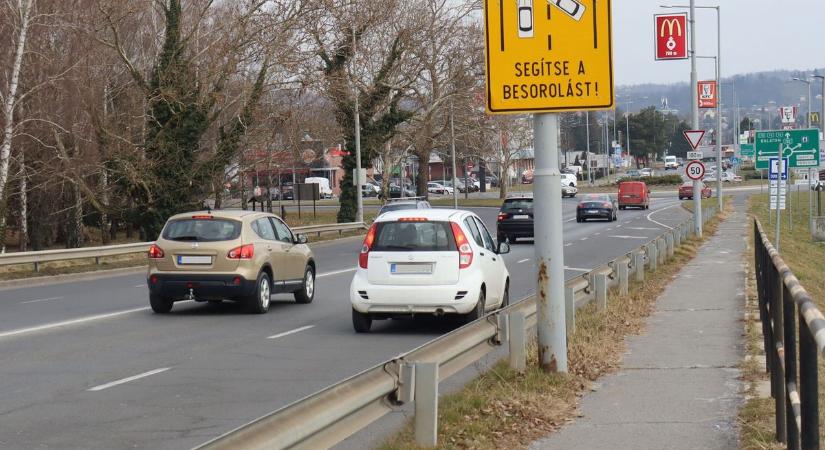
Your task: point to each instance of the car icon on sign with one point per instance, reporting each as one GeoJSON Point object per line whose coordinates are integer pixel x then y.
{"type": "Point", "coordinates": [525, 18]}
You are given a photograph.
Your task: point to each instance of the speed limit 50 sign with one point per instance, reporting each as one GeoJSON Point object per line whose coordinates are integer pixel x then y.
{"type": "Point", "coordinates": [695, 170]}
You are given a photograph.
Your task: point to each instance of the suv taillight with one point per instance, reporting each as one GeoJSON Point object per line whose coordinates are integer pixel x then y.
{"type": "Point", "coordinates": [155, 252]}
{"type": "Point", "coordinates": [502, 216]}
{"type": "Point", "coordinates": [363, 257]}
{"type": "Point", "coordinates": [243, 252]}
{"type": "Point", "coordinates": [465, 252]}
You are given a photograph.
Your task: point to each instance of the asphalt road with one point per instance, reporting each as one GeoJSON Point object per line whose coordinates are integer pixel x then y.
{"type": "Point", "coordinates": [86, 364]}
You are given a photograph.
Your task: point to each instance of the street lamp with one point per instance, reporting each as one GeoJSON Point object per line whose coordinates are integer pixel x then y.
{"type": "Point", "coordinates": [627, 123]}
{"type": "Point", "coordinates": [808, 124]}
{"type": "Point", "coordinates": [821, 111]}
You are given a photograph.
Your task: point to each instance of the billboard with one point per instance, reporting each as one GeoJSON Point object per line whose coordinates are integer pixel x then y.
{"type": "Point", "coordinates": [671, 36]}
{"type": "Point", "coordinates": [707, 94]}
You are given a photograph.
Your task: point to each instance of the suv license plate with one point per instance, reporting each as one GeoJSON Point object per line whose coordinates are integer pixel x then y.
{"type": "Point", "coordinates": [411, 269]}
{"type": "Point", "coordinates": [202, 260]}
{"type": "Point", "coordinates": [521, 216]}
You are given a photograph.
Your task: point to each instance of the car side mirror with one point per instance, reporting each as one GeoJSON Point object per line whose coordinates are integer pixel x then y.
{"type": "Point", "coordinates": [503, 248]}
{"type": "Point", "coordinates": [301, 239]}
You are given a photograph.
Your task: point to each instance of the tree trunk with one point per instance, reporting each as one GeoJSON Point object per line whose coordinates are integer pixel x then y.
{"type": "Point", "coordinates": [8, 112]}
{"type": "Point", "coordinates": [77, 218]}
{"type": "Point", "coordinates": [104, 198]}
{"type": "Point", "coordinates": [24, 210]}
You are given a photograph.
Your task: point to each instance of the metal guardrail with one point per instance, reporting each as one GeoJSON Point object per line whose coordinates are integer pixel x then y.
{"type": "Point", "coordinates": [39, 257]}
{"type": "Point", "coordinates": [793, 370]}
{"type": "Point", "coordinates": [329, 416]}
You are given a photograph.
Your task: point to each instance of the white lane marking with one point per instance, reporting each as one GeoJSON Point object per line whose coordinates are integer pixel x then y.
{"type": "Point", "coordinates": [287, 333]}
{"type": "Point", "coordinates": [128, 379]}
{"type": "Point", "coordinates": [523, 261]}
{"type": "Point", "coordinates": [568, 244]}
{"type": "Point", "coordinates": [629, 237]}
{"type": "Point", "coordinates": [66, 323]}
{"type": "Point", "coordinates": [48, 299]}
{"type": "Point", "coordinates": [599, 234]}
{"type": "Point", "coordinates": [337, 272]}
{"type": "Point", "coordinates": [583, 239]}
{"type": "Point", "coordinates": [642, 229]}
{"type": "Point", "coordinates": [570, 220]}
{"type": "Point", "coordinates": [618, 226]}
{"type": "Point", "coordinates": [140, 285]}
{"type": "Point", "coordinates": [660, 210]}
{"type": "Point", "coordinates": [575, 269]}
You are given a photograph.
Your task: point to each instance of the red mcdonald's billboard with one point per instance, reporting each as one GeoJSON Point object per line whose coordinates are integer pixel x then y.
{"type": "Point", "coordinates": [671, 36]}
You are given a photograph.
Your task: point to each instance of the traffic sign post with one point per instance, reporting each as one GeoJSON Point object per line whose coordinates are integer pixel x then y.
{"type": "Point", "coordinates": [778, 174]}
{"type": "Point", "coordinates": [547, 57]}
{"type": "Point", "coordinates": [801, 147]}
{"type": "Point", "coordinates": [694, 138]}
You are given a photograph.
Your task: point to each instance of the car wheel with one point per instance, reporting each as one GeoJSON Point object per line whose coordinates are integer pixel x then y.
{"type": "Point", "coordinates": [361, 322]}
{"type": "Point", "coordinates": [160, 304]}
{"type": "Point", "coordinates": [478, 311]}
{"type": "Point", "coordinates": [259, 303]}
{"type": "Point", "coordinates": [307, 291]}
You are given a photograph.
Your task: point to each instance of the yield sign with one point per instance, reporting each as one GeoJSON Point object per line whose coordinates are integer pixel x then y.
{"type": "Point", "coordinates": [694, 137]}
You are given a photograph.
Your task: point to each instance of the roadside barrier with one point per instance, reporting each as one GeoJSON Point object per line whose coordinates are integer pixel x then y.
{"type": "Point", "coordinates": [791, 348]}
{"type": "Point", "coordinates": [39, 257]}
{"type": "Point", "coordinates": [329, 416]}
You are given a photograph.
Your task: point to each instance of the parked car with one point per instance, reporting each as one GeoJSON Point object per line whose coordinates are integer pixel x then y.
{"type": "Point", "coordinates": [727, 177]}
{"type": "Point", "coordinates": [568, 190]}
{"type": "Point", "coordinates": [686, 190]}
{"type": "Point", "coordinates": [324, 190]}
{"type": "Point", "coordinates": [438, 188]}
{"type": "Point", "coordinates": [404, 203]}
{"type": "Point", "coordinates": [629, 174]}
{"type": "Point", "coordinates": [515, 218]}
{"type": "Point", "coordinates": [527, 177]}
{"type": "Point", "coordinates": [395, 192]}
{"type": "Point", "coordinates": [434, 262]}
{"type": "Point", "coordinates": [635, 194]}
{"type": "Point", "coordinates": [368, 190]}
{"type": "Point", "coordinates": [287, 191]}
{"type": "Point", "coordinates": [238, 255]}
{"type": "Point", "coordinates": [646, 172]}
{"type": "Point", "coordinates": [597, 206]}
{"type": "Point", "coordinates": [569, 179]}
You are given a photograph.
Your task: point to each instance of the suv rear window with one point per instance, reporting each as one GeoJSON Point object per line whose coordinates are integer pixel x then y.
{"type": "Point", "coordinates": [202, 230]}
{"type": "Point", "coordinates": [516, 204]}
{"type": "Point", "coordinates": [414, 236]}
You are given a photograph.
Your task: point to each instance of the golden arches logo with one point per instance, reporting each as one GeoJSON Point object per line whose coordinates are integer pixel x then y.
{"type": "Point", "coordinates": [670, 24]}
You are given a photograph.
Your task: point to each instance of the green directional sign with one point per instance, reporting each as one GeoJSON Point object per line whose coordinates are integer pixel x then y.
{"type": "Point", "coordinates": [747, 151]}
{"type": "Point", "coordinates": [801, 147]}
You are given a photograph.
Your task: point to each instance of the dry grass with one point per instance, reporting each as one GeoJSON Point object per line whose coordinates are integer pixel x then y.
{"type": "Point", "coordinates": [503, 409]}
{"type": "Point", "coordinates": [805, 260]}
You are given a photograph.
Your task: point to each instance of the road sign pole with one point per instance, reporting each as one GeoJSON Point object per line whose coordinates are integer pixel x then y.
{"type": "Point", "coordinates": [719, 108]}
{"type": "Point", "coordinates": [810, 203]}
{"type": "Point", "coordinates": [778, 204]}
{"type": "Point", "coordinates": [549, 244]}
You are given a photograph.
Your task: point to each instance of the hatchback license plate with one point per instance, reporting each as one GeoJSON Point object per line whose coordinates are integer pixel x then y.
{"type": "Point", "coordinates": [202, 260]}
{"type": "Point", "coordinates": [411, 269]}
{"type": "Point", "coordinates": [592, 211]}
{"type": "Point", "coordinates": [521, 216]}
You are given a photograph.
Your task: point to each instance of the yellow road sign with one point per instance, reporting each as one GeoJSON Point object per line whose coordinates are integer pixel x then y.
{"type": "Point", "coordinates": [548, 55]}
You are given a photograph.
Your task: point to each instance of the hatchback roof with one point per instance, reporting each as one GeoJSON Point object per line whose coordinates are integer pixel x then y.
{"type": "Point", "coordinates": [218, 214]}
{"type": "Point", "coordinates": [429, 214]}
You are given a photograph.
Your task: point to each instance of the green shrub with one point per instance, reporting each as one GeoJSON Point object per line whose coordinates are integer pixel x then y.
{"type": "Point", "coordinates": [663, 180]}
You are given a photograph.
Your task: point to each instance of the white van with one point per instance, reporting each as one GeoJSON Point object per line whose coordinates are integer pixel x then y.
{"type": "Point", "coordinates": [671, 163]}
{"type": "Point", "coordinates": [323, 186]}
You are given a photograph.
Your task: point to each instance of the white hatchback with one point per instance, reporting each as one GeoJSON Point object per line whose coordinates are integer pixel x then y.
{"type": "Point", "coordinates": [432, 262]}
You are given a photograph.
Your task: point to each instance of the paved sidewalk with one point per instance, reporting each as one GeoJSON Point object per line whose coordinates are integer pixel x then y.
{"type": "Point", "coordinates": [678, 386]}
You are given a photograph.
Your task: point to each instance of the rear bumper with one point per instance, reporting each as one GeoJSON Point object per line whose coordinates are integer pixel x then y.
{"type": "Point", "coordinates": [515, 228]}
{"type": "Point", "coordinates": [204, 287]}
{"type": "Point", "coordinates": [406, 300]}
{"type": "Point", "coordinates": [601, 213]}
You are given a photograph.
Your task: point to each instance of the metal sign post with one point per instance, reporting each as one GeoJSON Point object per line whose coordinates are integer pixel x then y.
{"type": "Point", "coordinates": [694, 138]}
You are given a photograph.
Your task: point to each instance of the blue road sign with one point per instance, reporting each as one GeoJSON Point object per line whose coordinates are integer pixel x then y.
{"type": "Point", "coordinates": [774, 170]}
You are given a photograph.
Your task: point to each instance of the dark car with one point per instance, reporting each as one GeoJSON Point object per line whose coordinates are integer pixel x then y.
{"type": "Point", "coordinates": [515, 218]}
{"type": "Point", "coordinates": [395, 192]}
{"type": "Point", "coordinates": [597, 206]}
{"type": "Point", "coordinates": [412, 203]}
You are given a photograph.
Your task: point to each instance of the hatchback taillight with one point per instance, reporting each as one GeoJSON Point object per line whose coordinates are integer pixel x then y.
{"type": "Point", "coordinates": [155, 252]}
{"type": "Point", "coordinates": [243, 252]}
{"type": "Point", "coordinates": [465, 252]}
{"type": "Point", "coordinates": [502, 216]}
{"type": "Point", "coordinates": [363, 257]}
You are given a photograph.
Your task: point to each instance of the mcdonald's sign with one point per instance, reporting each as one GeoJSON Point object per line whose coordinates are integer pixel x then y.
{"type": "Point", "coordinates": [671, 36]}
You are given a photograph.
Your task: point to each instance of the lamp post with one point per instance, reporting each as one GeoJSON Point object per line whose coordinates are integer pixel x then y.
{"type": "Point", "coordinates": [810, 192]}
{"type": "Point", "coordinates": [718, 128]}
{"type": "Point", "coordinates": [627, 123]}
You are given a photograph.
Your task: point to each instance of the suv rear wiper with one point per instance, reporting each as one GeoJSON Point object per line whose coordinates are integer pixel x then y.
{"type": "Point", "coordinates": [186, 238]}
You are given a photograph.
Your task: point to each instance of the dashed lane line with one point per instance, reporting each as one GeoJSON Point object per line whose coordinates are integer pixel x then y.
{"type": "Point", "coordinates": [48, 299]}
{"type": "Point", "coordinates": [337, 272]}
{"type": "Point", "coordinates": [128, 379]}
{"type": "Point", "coordinates": [287, 333]}
{"type": "Point", "coordinates": [66, 323]}
{"type": "Point", "coordinates": [523, 261]}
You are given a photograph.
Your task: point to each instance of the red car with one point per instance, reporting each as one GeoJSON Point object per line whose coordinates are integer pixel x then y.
{"type": "Point", "coordinates": [686, 190]}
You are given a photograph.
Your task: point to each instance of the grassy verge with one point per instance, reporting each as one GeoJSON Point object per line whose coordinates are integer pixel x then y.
{"type": "Point", "coordinates": [505, 409]}
{"type": "Point", "coordinates": [804, 257]}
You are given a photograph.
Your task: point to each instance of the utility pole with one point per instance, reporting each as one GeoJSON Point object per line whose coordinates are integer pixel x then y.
{"type": "Point", "coordinates": [719, 109]}
{"type": "Point", "coordinates": [359, 215]}
{"type": "Point", "coordinates": [694, 111]}
{"type": "Point", "coordinates": [587, 134]}
{"type": "Point", "coordinates": [452, 151]}
{"type": "Point", "coordinates": [550, 323]}
{"type": "Point", "coordinates": [808, 125]}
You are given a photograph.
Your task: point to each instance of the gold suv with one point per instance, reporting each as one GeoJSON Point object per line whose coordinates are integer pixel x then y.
{"type": "Point", "coordinates": [243, 256]}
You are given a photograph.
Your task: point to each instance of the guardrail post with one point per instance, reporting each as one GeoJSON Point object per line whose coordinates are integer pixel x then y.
{"type": "Point", "coordinates": [623, 271]}
{"type": "Point", "coordinates": [670, 240]}
{"type": "Point", "coordinates": [601, 290]}
{"type": "Point", "coordinates": [778, 373]}
{"type": "Point", "coordinates": [808, 384]}
{"type": "Point", "coordinates": [651, 256]}
{"type": "Point", "coordinates": [36, 266]}
{"type": "Point", "coordinates": [661, 246]}
{"type": "Point", "coordinates": [426, 404]}
{"type": "Point", "coordinates": [518, 342]}
{"type": "Point", "coordinates": [570, 309]}
{"type": "Point", "coordinates": [97, 260]}
{"type": "Point", "coordinates": [789, 344]}
{"type": "Point", "coordinates": [639, 264]}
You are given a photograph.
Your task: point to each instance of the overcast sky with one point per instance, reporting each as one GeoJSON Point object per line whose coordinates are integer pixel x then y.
{"type": "Point", "coordinates": [757, 35]}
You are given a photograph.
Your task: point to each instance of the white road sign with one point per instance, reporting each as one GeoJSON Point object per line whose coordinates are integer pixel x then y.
{"type": "Point", "coordinates": [695, 170]}
{"type": "Point", "coordinates": [695, 155]}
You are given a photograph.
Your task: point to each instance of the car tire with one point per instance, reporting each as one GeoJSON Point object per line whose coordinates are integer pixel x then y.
{"type": "Point", "coordinates": [307, 292]}
{"type": "Point", "coordinates": [260, 301]}
{"type": "Point", "coordinates": [159, 304]}
{"type": "Point", "coordinates": [361, 322]}
{"type": "Point", "coordinates": [478, 311]}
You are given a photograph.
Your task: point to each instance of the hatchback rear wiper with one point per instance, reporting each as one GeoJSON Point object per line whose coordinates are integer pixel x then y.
{"type": "Point", "coordinates": [186, 238]}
